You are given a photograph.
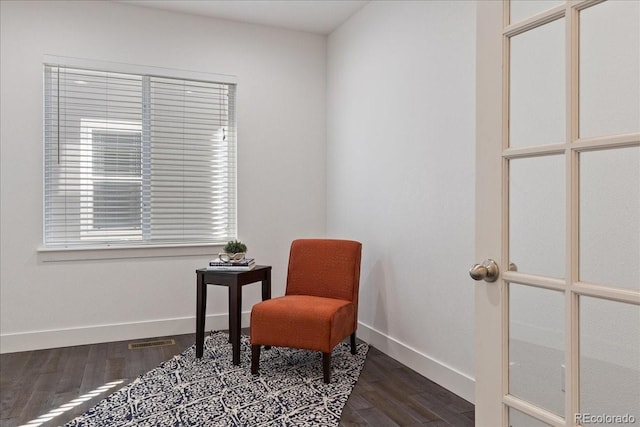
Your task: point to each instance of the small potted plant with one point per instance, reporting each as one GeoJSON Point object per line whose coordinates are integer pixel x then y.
{"type": "Point", "coordinates": [234, 250]}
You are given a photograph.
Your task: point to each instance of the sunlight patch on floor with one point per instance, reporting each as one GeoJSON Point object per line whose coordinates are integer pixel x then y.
{"type": "Point", "coordinates": [72, 404]}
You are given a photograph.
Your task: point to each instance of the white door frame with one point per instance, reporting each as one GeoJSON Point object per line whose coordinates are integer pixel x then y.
{"type": "Point", "coordinates": [488, 296]}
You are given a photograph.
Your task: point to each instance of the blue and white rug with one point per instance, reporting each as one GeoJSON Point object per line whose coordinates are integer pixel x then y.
{"type": "Point", "coordinates": [211, 391]}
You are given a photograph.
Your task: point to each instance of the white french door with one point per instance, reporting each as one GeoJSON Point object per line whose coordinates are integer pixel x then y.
{"type": "Point", "coordinates": [558, 210]}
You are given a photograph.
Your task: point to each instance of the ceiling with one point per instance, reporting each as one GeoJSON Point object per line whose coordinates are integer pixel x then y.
{"type": "Point", "coordinates": [315, 16]}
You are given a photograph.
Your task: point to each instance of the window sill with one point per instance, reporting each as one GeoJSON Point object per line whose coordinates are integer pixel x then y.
{"type": "Point", "coordinates": [98, 253]}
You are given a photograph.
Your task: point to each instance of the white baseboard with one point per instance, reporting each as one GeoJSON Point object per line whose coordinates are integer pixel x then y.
{"type": "Point", "coordinates": [446, 376]}
{"type": "Point", "coordinates": [38, 340]}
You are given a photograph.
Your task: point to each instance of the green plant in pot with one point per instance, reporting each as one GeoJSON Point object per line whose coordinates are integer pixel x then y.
{"type": "Point", "coordinates": [234, 250]}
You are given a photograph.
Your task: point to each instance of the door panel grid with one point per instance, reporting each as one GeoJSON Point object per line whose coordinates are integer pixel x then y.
{"type": "Point", "coordinates": [570, 286]}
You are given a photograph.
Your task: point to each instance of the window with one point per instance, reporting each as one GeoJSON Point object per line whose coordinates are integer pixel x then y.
{"type": "Point", "coordinates": [137, 159]}
{"type": "Point", "coordinates": [111, 180]}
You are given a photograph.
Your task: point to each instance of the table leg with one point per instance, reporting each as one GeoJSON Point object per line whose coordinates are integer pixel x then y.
{"type": "Point", "coordinates": [201, 309]}
{"type": "Point", "coordinates": [235, 308]}
{"type": "Point", "coordinates": [232, 301]}
{"type": "Point", "coordinates": [266, 286]}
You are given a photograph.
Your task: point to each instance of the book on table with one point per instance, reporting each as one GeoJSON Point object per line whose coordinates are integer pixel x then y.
{"type": "Point", "coordinates": [241, 265]}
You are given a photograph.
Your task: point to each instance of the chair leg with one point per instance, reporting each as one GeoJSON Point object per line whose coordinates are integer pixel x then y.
{"type": "Point", "coordinates": [326, 367]}
{"type": "Point", "coordinates": [353, 342]}
{"type": "Point", "coordinates": [255, 359]}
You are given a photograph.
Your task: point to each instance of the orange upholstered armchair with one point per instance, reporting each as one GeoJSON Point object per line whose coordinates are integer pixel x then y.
{"type": "Point", "coordinates": [320, 305]}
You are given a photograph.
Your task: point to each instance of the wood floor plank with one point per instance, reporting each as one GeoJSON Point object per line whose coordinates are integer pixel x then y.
{"type": "Point", "coordinates": [72, 372]}
{"type": "Point", "coordinates": [392, 408]}
{"type": "Point", "coordinates": [437, 423]}
{"type": "Point", "coordinates": [375, 417]}
{"type": "Point", "coordinates": [357, 401]}
{"type": "Point", "coordinates": [441, 409]}
{"type": "Point", "coordinates": [351, 418]}
{"type": "Point", "coordinates": [41, 397]}
{"type": "Point", "coordinates": [27, 382]}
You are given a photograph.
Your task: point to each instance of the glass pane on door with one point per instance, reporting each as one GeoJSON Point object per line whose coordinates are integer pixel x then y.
{"type": "Point", "coordinates": [523, 9]}
{"type": "Point", "coordinates": [519, 419]}
{"type": "Point", "coordinates": [536, 346]}
{"type": "Point", "coordinates": [609, 361]}
{"type": "Point", "coordinates": [610, 69]}
{"type": "Point", "coordinates": [610, 217]}
{"type": "Point", "coordinates": [537, 215]}
{"type": "Point", "coordinates": [537, 86]}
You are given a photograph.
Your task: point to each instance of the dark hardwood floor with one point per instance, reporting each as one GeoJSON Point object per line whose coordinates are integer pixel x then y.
{"type": "Point", "coordinates": [40, 387]}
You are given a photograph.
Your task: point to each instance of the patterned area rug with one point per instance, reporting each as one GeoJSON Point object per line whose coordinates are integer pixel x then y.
{"type": "Point", "coordinates": [211, 391]}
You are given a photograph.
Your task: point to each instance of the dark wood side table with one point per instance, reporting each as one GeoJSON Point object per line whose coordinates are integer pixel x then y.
{"type": "Point", "coordinates": [234, 280]}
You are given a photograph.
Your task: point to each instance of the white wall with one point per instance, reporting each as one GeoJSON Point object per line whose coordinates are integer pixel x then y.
{"type": "Point", "coordinates": [400, 177]}
{"type": "Point", "coordinates": [281, 157]}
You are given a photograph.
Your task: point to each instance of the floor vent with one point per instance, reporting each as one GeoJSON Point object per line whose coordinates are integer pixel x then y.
{"type": "Point", "coordinates": [147, 344]}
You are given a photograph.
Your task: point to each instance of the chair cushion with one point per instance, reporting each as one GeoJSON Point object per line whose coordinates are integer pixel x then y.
{"type": "Point", "coordinates": [302, 321]}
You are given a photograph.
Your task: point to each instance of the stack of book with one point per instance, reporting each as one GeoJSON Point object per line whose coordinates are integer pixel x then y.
{"type": "Point", "coordinates": [245, 264]}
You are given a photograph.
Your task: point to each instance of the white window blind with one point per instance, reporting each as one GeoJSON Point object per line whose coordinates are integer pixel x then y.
{"type": "Point", "coordinates": [135, 159]}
